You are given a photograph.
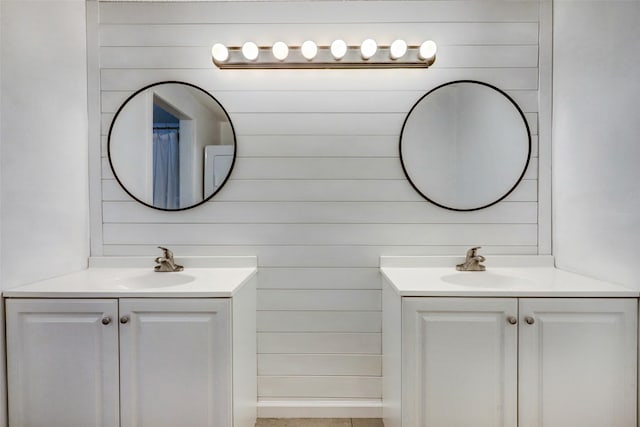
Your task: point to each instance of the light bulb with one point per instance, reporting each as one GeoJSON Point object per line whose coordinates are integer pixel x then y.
{"type": "Point", "coordinates": [219, 52]}
{"type": "Point", "coordinates": [309, 50]}
{"type": "Point", "coordinates": [250, 51]}
{"type": "Point", "coordinates": [397, 49]}
{"type": "Point", "coordinates": [338, 49]}
{"type": "Point", "coordinates": [428, 50]}
{"type": "Point", "coordinates": [368, 48]}
{"type": "Point", "coordinates": [280, 50]}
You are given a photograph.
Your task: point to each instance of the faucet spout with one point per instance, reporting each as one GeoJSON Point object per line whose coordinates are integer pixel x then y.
{"type": "Point", "coordinates": [472, 261]}
{"type": "Point", "coordinates": [166, 262]}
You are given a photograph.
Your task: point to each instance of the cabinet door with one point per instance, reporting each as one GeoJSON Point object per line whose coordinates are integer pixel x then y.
{"type": "Point", "coordinates": [459, 364]}
{"type": "Point", "coordinates": [578, 362]}
{"type": "Point", "coordinates": [62, 362]}
{"type": "Point", "coordinates": [175, 359]}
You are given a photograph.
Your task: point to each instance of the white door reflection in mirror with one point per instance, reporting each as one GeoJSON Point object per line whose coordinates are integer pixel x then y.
{"type": "Point", "coordinates": [465, 145]}
{"type": "Point", "coordinates": [217, 163]}
{"type": "Point", "coordinates": [157, 145]}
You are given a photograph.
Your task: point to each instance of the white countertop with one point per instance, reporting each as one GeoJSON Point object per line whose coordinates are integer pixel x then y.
{"type": "Point", "coordinates": [517, 276]}
{"type": "Point", "coordinates": [106, 279]}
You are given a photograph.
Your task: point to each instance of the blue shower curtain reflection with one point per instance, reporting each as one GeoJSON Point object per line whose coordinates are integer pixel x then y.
{"type": "Point", "coordinates": [166, 169]}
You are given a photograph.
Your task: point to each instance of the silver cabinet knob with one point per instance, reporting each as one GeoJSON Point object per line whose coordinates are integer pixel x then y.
{"type": "Point", "coordinates": [124, 319]}
{"type": "Point", "coordinates": [512, 320]}
{"type": "Point", "coordinates": [530, 320]}
{"type": "Point", "coordinates": [106, 320]}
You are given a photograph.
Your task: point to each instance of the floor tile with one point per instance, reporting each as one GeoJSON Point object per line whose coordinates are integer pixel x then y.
{"type": "Point", "coordinates": [304, 422]}
{"type": "Point", "coordinates": [366, 422]}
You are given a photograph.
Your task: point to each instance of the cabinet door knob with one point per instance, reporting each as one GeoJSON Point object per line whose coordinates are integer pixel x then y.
{"type": "Point", "coordinates": [106, 320]}
{"type": "Point", "coordinates": [530, 320]}
{"type": "Point", "coordinates": [512, 320]}
{"type": "Point", "coordinates": [124, 319]}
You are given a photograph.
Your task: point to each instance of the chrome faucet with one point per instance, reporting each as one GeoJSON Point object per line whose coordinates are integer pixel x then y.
{"type": "Point", "coordinates": [472, 261]}
{"type": "Point", "coordinates": [166, 262]}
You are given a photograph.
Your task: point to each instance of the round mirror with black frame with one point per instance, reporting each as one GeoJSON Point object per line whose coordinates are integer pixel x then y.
{"type": "Point", "coordinates": [171, 146]}
{"type": "Point", "coordinates": [465, 145]}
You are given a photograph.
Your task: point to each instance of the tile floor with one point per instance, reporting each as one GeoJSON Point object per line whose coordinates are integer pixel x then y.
{"type": "Point", "coordinates": [319, 422]}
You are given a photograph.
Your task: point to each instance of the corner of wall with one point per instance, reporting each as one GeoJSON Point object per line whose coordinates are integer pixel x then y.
{"type": "Point", "coordinates": [595, 193]}
{"type": "Point", "coordinates": [44, 203]}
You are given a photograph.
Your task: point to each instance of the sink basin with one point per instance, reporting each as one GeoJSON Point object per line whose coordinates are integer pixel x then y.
{"type": "Point", "coordinates": [484, 279]}
{"type": "Point", "coordinates": [152, 280]}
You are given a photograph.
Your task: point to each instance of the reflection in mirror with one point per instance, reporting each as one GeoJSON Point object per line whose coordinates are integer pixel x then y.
{"type": "Point", "coordinates": [465, 145]}
{"type": "Point", "coordinates": [171, 146]}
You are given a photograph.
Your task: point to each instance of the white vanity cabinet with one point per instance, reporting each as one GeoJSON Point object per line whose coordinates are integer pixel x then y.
{"type": "Point", "coordinates": [62, 362]}
{"type": "Point", "coordinates": [459, 362]}
{"type": "Point", "coordinates": [129, 362]}
{"type": "Point", "coordinates": [119, 345]}
{"type": "Point", "coordinates": [526, 362]}
{"type": "Point", "coordinates": [577, 362]}
{"type": "Point", "coordinates": [175, 362]}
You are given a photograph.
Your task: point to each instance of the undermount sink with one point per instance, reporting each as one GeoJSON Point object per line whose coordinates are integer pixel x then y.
{"type": "Point", "coordinates": [484, 279]}
{"type": "Point", "coordinates": [152, 280]}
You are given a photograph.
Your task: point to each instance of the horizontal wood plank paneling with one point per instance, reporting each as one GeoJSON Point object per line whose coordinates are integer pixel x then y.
{"type": "Point", "coordinates": [322, 212]}
{"type": "Point", "coordinates": [335, 190]}
{"type": "Point", "coordinates": [320, 168]}
{"type": "Point", "coordinates": [319, 364]}
{"type": "Point", "coordinates": [319, 278]}
{"type": "Point", "coordinates": [293, 256]}
{"type": "Point", "coordinates": [296, 299]}
{"type": "Point", "coordinates": [318, 193]}
{"type": "Point", "coordinates": [330, 123]}
{"type": "Point", "coordinates": [320, 386]}
{"type": "Point", "coordinates": [445, 33]}
{"type": "Point", "coordinates": [327, 145]}
{"type": "Point", "coordinates": [320, 101]}
{"type": "Point", "coordinates": [320, 321]}
{"type": "Point", "coordinates": [326, 11]}
{"type": "Point", "coordinates": [322, 234]}
{"type": "Point", "coordinates": [319, 124]}
{"type": "Point", "coordinates": [319, 343]}
{"type": "Point", "coordinates": [213, 80]}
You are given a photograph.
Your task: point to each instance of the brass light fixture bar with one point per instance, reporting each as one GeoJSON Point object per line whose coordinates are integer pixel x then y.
{"type": "Point", "coordinates": [337, 55]}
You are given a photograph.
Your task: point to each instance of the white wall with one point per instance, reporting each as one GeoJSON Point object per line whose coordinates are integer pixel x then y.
{"type": "Point", "coordinates": [596, 130]}
{"type": "Point", "coordinates": [43, 170]}
{"type": "Point", "coordinates": [1, 133]}
{"type": "Point", "coordinates": [317, 192]}
{"type": "Point", "coordinates": [3, 360]}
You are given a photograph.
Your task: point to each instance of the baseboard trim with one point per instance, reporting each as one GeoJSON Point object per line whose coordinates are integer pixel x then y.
{"type": "Point", "coordinates": [320, 409]}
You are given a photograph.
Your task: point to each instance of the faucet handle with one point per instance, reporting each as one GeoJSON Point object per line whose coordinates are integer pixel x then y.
{"type": "Point", "coordinates": [473, 251]}
{"type": "Point", "coordinates": [166, 252]}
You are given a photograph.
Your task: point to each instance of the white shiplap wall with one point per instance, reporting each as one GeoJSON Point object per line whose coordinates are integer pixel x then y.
{"type": "Point", "coordinates": [317, 193]}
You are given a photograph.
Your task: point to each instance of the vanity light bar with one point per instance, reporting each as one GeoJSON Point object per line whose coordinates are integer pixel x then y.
{"type": "Point", "coordinates": [337, 55]}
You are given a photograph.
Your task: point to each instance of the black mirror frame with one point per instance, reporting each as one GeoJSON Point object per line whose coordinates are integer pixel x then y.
{"type": "Point", "coordinates": [524, 170]}
{"type": "Point", "coordinates": [113, 121]}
